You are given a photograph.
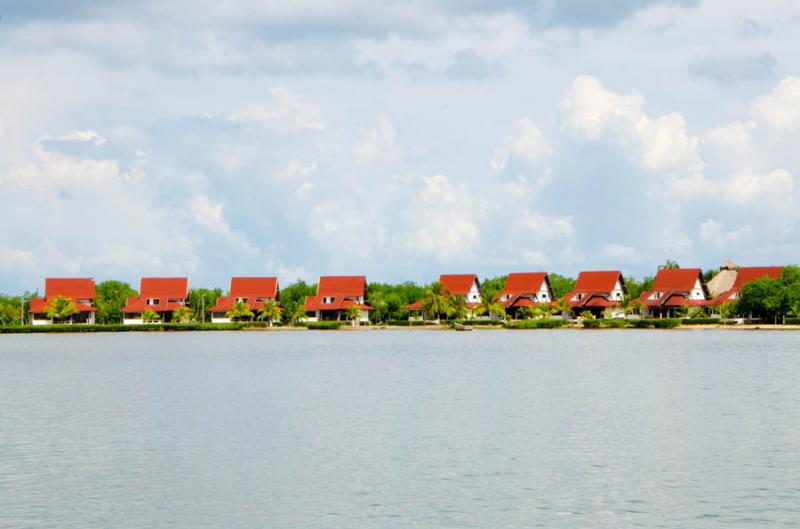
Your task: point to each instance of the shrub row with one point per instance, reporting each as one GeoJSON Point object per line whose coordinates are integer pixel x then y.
{"type": "Point", "coordinates": [170, 327]}
{"type": "Point", "coordinates": [323, 325]}
{"type": "Point", "coordinates": [792, 321]}
{"type": "Point", "coordinates": [701, 321]}
{"type": "Point", "coordinates": [534, 324]}
{"type": "Point", "coordinates": [481, 322]}
{"type": "Point", "coordinates": [406, 323]}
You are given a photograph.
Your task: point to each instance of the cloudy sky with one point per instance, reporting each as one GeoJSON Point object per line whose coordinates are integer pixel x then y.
{"type": "Point", "coordinates": [398, 139]}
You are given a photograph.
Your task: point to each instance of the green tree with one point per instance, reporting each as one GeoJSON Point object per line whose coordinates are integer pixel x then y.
{"type": "Point", "coordinates": [682, 312]}
{"type": "Point", "coordinates": [764, 298]}
{"type": "Point", "coordinates": [456, 307]}
{"type": "Point", "coordinates": [697, 313]}
{"type": "Point", "coordinates": [435, 302]}
{"type": "Point", "coordinates": [726, 310]}
{"type": "Point", "coordinates": [297, 315]}
{"type": "Point", "coordinates": [201, 299]}
{"type": "Point", "coordinates": [636, 288]}
{"type": "Point", "coordinates": [150, 316]}
{"type": "Point", "coordinates": [669, 265]}
{"type": "Point", "coordinates": [292, 299]}
{"type": "Point", "coordinates": [111, 298]}
{"type": "Point", "coordinates": [562, 306]}
{"type": "Point", "coordinates": [182, 315]}
{"type": "Point", "coordinates": [528, 312]}
{"type": "Point", "coordinates": [353, 313]}
{"type": "Point", "coordinates": [489, 304]}
{"type": "Point", "coordinates": [492, 286]}
{"type": "Point", "coordinates": [794, 310]}
{"type": "Point", "coordinates": [270, 312]}
{"type": "Point", "coordinates": [561, 285]}
{"type": "Point", "coordinates": [11, 310]}
{"type": "Point", "coordinates": [61, 308]}
{"type": "Point", "coordinates": [240, 311]}
{"type": "Point", "coordinates": [587, 315]}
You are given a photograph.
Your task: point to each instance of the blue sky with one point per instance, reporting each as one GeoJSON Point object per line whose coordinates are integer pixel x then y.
{"type": "Point", "coordinates": [395, 139]}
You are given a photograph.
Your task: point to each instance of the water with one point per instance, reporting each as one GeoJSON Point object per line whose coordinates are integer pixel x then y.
{"type": "Point", "coordinates": [397, 429]}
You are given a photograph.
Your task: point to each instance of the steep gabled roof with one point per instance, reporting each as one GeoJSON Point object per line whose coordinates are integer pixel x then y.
{"type": "Point", "coordinates": [164, 287]}
{"type": "Point", "coordinates": [524, 282]}
{"type": "Point", "coordinates": [598, 281]}
{"type": "Point", "coordinates": [676, 279]}
{"type": "Point", "coordinates": [254, 287]}
{"type": "Point", "coordinates": [458, 284]}
{"type": "Point", "coordinates": [75, 288]}
{"type": "Point", "coordinates": [749, 274]}
{"type": "Point", "coordinates": [350, 286]}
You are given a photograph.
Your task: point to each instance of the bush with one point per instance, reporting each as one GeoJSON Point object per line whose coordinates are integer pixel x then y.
{"type": "Point", "coordinates": [323, 325]}
{"type": "Point", "coordinates": [534, 324]}
{"type": "Point", "coordinates": [666, 323]}
{"type": "Point", "coordinates": [170, 327]}
{"type": "Point", "coordinates": [792, 321]}
{"type": "Point", "coordinates": [592, 324]}
{"type": "Point", "coordinates": [481, 322]}
{"type": "Point", "coordinates": [615, 323]}
{"type": "Point", "coordinates": [642, 323]}
{"type": "Point", "coordinates": [405, 323]}
{"type": "Point", "coordinates": [701, 321]}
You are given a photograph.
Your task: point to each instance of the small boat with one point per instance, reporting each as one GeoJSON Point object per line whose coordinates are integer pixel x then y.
{"type": "Point", "coordinates": [462, 327]}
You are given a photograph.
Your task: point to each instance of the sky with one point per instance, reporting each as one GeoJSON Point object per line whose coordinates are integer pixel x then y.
{"type": "Point", "coordinates": [395, 139]}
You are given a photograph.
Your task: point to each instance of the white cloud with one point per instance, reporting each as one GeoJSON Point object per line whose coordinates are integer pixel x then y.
{"type": "Point", "coordinates": [530, 145]}
{"type": "Point", "coordinates": [714, 232]}
{"type": "Point", "coordinates": [13, 259]}
{"type": "Point", "coordinates": [212, 217]}
{"type": "Point", "coordinates": [78, 135]}
{"type": "Point", "coordinates": [621, 253]}
{"type": "Point", "coordinates": [378, 144]}
{"type": "Point", "coordinates": [534, 258]}
{"type": "Point", "coordinates": [547, 227]}
{"type": "Point", "coordinates": [291, 112]}
{"type": "Point", "coordinates": [662, 143]}
{"type": "Point", "coordinates": [780, 109]}
{"type": "Point", "coordinates": [295, 169]}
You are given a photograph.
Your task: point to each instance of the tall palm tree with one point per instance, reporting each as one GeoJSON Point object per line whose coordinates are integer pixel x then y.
{"type": "Point", "coordinates": [353, 313]}
{"type": "Point", "coordinates": [726, 310]}
{"type": "Point", "coordinates": [239, 311]}
{"type": "Point", "coordinates": [182, 315]}
{"type": "Point", "coordinates": [298, 314]}
{"type": "Point", "coordinates": [562, 306]}
{"type": "Point", "coordinates": [489, 305]}
{"type": "Point", "coordinates": [794, 310]}
{"type": "Point", "coordinates": [457, 307]}
{"type": "Point", "coordinates": [269, 312]}
{"type": "Point", "coordinates": [150, 316]}
{"type": "Point", "coordinates": [434, 303]}
{"type": "Point", "coordinates": [528, 312]}
{"type": "Point", "coordinates": [60, 308]}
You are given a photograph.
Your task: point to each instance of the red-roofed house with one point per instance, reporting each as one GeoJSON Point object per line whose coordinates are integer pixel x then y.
{"type": "Point", "coordinates": [674, 288]}
{"type": "Point", "coordinates": [80, 290]}
{"type": "Point", "coordinates": [335, 294]}
{"type": "Point", "coordinates": [465, 285]}
{"type": "Point", "coordinates": [525, 290]}
{"type": "Point", "coordinates": [744, 275]}
{"type": "Point", "coordinates": [597, 291]}
{"type": "Point", "coordinates": [253, 291]}
{"type": "Point", "coordinates": [162, 295]}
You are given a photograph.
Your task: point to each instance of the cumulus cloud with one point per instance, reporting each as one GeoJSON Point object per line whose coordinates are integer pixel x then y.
{"type": "Point", "coordinates": [378, 144]}
{"type": "Point", "coordinates": [212, 217]}
{"type": "Point", "coordinates": [591, 111]}
{"type": "Point", "coordinates": [714, 232]}
{"type": "Point", "coordinates": [529, 144]}
{"type": "Point", "coordinates": [780, 109]}
{"type": "Point", "coordinates": [291, 112]}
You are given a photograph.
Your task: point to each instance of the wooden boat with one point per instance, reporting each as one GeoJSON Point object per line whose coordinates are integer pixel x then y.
{"type": "Point", "coordinates": [462, 327]}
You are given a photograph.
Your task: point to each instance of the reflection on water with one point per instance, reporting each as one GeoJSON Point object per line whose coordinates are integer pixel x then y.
{"type": "Point", "coordinates": [401, 429]}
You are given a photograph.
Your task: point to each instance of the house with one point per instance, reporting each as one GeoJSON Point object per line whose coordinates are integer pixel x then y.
{"type": "Point", "coordinates": [162, 295]}
{"type": "Point", "coordinates": [674, 288]}
{"type": "Point", "coordinates": [527, 289]}
{"type": "Point", "coordinates": [81, 291]}
{"type": "Point", "coordinates": [336, 294]}
{"type": "Point", "coordinates": [466, 286]}
{"type": "Point", "coordinates": [599, 292]}
{"type": "Point", "coordinates": [726, 289]}
{"type": "Point", "coordinates": [252, 291]}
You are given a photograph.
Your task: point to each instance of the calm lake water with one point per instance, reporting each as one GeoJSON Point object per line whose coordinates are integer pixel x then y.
{"type": "Point", "coordinates": [397, 429]}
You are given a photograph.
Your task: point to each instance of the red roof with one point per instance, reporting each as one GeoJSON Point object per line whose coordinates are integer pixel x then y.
{"type": "Point", "coordinates": [675, 285]}
{"type": "Point", "coordinates": [746, 275]}
{"type": "Point", "coordinates": [521, 284]}
{"type": "Point", "coordinates": [82, 289]}
{"type": "Point", "coordinates": [458, 284]}
{"type": "Point", "coordinates": [165, 287]}
{"type": "Point", "coordinates": [343, 289]}
{"type": "Point", "coordinates": [254, 289]}
{"type": "Point", "coordinates": [595, 285]}
{"type": "Point", "coordinates": [680, 279]}
{"type": "Point", "coordinates": [602, 281]}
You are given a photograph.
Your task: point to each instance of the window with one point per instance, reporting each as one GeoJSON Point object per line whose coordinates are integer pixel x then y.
{"type": "Point", "coordinates": [328, 299]}
{"type": "Point", "coordinates": [241, 300]}
{"type": "Point", "coordinates": [153, 301]}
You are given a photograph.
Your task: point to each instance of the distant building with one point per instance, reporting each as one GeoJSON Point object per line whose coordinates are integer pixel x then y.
{"type": "Point", "coordinates": [740, 277]}
{"type": "Point", "coordinates": [525, 290]}
{"type": "Point", "coordinates": [599, 292]}
{"type": "Point", "coordinates": [252, 291]}
{"type": "Point", "coordinates": [162, 295]}
{"type": "Point", "coordinates": [80, 291]}
{"type": "Point", "coordinates": [465, 286]}
{"type": "Point", "coordinates": [674, 288]}
{"type": "Point", "coordinates": [336, 294]}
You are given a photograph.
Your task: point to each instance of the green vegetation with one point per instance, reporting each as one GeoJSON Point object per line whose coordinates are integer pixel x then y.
{"type": "Point", "coordinates": [666, 323]}
{"type": "Point", "coordinates": [240, 312]}
{"type": "Point", "coordinates": [561, 285]}
{"type": "Point", "coordinates": [323, 325]}
{"type": "Point", "coordinates": [200, 299]}
{"type": "Point", "coordinates": [60, 309]}
{"type": "Point", "coordinates": [29, 329]}
{"type": "Point", "coordinates": [534, 324]}
{"type": "Point", "coordinates": [182, 315]}
{"type": "Point", "coordinates": [771, 299]}
{"type": "Point", "coordinates": [270, 312]}
{"type": "Point", "coordinates": [292, 299]}
{"type": "Point", "coordinates": [389, 301]}
{"type": "Point", "coordinates": [11, 312]}
{"type": "Point", "coordinates": [149, 316]}
{"type": "Point", "coordinates": [111, 298]}
{"type": "Point", "coordinates": [353, 314]}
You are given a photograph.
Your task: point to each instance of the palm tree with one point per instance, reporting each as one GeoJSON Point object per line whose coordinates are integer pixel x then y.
{"type": "Point", "coordinates": [299, 313]}
{"type": "Point", "coordinates": [527, 312]}
{"type": "Point", "coordinates": [182, 315]}
{"type": "Point", "coordinates": [150, 316]}
{"type": "Point", "coordinates": [239, 311]}
{"type": "Point", "coordinates": [587, 315]}
{"type": "Point", "coordinates": [669, 265]}
{"type": "Point", "coordinates": [457, 307]}
{"type": "Point", "coordinates": [353, 313]}
{"type": "Point", "coordinates": [726, 310]}
{"type": "Point", "coordinates": [489, 305]}
{"type": "Point", "coordinates": [60, 308]}
{"type": "Point", "coordinates": [682, 312]}
{"type": "Point", "coordinates": [562, 306]}
{"type": "Point", "coordinates": [794, 310]}
{"type": "Point", "coordinates": [269, 312]}
{"type": "Point", "coordinates": [434, 303]}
